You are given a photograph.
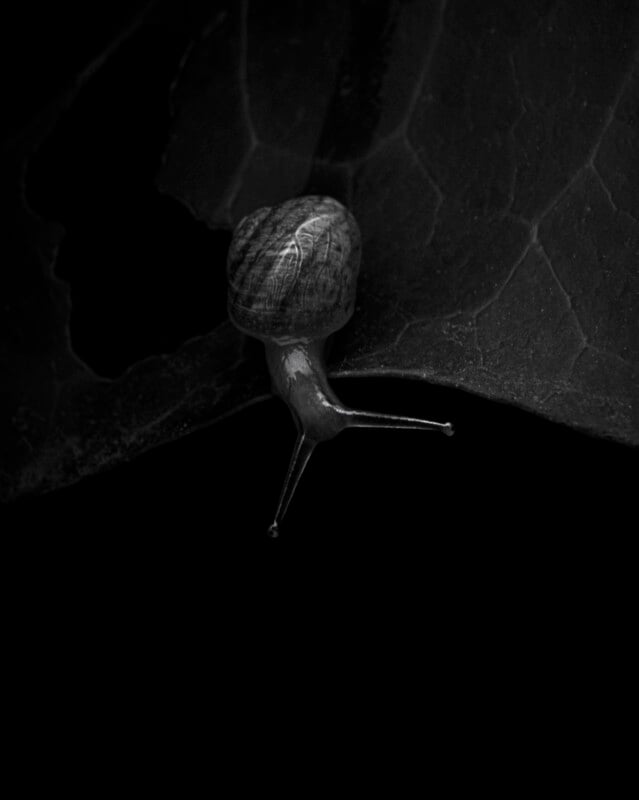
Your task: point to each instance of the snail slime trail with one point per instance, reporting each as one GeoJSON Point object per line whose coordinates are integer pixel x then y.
{"type": "Point", "coordinates": [292, 277]}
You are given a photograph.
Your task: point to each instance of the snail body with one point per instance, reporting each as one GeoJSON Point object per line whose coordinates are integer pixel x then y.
{"type": "Point", "coordinates": [292, 277]}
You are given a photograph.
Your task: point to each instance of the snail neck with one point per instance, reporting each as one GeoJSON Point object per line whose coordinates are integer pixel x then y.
{"type": "Point", "coordinates": [298, 375]}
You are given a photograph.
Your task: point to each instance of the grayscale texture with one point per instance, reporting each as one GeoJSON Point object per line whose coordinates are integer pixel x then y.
{"type": "Point", "coordinates": [490, 154]}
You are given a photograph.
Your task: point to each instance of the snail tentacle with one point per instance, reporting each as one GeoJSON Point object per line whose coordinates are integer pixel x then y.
{"type": "Point", "coordinates": [369, 419]}
{"type": "Point", "coordinates": [302, 452]}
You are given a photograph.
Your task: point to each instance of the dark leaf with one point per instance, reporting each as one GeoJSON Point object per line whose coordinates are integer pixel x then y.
{"type": "Point", "coordinates": [59, 420]}
{"type": "Point", "coordinates": [490, 152]}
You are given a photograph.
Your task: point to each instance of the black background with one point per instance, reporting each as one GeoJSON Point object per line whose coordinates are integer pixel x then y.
{"type": "Point", "coordinates": [515, 533]}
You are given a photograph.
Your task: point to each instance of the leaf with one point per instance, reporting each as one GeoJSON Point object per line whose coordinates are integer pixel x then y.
{"type": "Point", "coordinates": [60, 421]}
{"type": "Point", "coordinates": [490, 154]}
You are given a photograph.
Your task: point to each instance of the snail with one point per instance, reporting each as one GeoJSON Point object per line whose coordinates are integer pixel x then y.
{"type": "Point", "coordinates": [292, 275]}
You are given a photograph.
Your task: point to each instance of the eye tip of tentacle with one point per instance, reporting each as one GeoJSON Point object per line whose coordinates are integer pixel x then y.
{"type": "Point", "coordinates": [273, 531]}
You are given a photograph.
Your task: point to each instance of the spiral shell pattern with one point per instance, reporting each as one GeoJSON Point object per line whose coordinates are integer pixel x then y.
{"type": "Point", "coordinates": [292, 269]}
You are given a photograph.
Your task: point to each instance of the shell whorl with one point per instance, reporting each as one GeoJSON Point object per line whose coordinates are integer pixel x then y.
{"type": "Point", "coordinates": [292, 269]}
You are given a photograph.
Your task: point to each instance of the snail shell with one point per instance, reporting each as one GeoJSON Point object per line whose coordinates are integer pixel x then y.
{"type": "Point", "coordinates": [292, 270]}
